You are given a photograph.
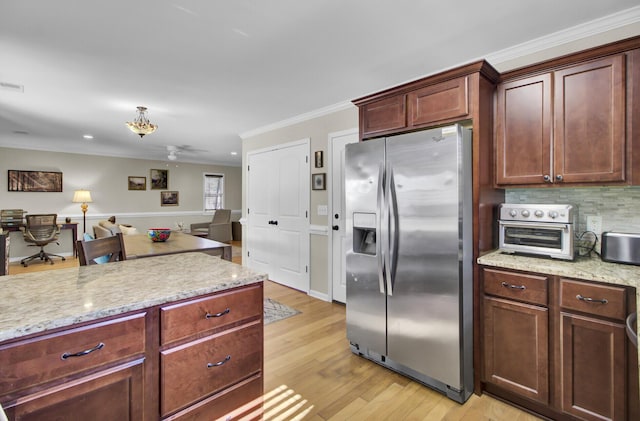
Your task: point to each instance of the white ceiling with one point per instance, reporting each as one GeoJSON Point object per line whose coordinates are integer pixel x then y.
{"type": "Point", "coordinates": [210, 70]}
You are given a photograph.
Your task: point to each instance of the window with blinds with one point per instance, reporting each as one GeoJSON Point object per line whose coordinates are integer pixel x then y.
{"type": "Point", "coordinates": [213, 191]}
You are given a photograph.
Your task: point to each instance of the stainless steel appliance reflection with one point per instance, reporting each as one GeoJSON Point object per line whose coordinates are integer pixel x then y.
{"type": "Point", "coordinates": [409, 255]}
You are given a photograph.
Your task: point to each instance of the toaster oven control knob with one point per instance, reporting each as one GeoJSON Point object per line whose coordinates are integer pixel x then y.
{"type": "Point", "coordinates": [525, 213]}
{"type": "Point", "coordinates": [513, 213]}
{"type": "Point", "coordinates": [539, 213]}
{"type": "Point", "coordinates": [553, 214]}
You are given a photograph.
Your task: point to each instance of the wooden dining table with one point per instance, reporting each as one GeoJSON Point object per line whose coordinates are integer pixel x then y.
{"type": "Point", "coordinates": [139, 246]}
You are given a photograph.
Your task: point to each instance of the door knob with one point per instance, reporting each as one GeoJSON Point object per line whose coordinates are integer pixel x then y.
{"type": "Point", "coordinates": [335, 227]}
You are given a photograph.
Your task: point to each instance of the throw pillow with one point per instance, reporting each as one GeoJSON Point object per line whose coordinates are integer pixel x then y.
{"type": "Point", "coordinates": [128, 230]}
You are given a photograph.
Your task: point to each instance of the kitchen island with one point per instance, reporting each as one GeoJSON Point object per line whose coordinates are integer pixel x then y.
{"type": "Point", "coordinates": [569, 318]}
{"type": "Point", "coordinates": [168, 337]}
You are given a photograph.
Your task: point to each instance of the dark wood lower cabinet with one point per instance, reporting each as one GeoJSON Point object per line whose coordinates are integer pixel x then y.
{"type": "Point", "coordinates": [593, 368]}
{"type": "Point", "coordinates": [114, 394]}
{"type": "Point", "coordinates": [516, 347]}
{"type": "Point", "coordinates": [558, 346]}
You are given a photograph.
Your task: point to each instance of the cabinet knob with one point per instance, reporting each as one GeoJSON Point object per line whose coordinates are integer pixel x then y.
{"type": "Point", "coordinates": [559, 177]}
{"type": "Point", "coordinates": [546, 178]}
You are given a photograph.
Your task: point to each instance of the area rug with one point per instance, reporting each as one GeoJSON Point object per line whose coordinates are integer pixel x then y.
{"type": "Point", "coordinates": [274, 311]}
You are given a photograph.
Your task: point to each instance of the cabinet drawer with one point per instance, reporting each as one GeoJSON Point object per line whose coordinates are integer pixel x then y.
{"type": "Point", "coordinates": [36, 361]}
{"type": "Point", "coordinates": [600, 300]}
{"type": "Point", "coordinates": [442, 101]}
{"type": "Point", "coordinates": [240, 401]}
{"type": "Point", "coordinates": [516, 286]}
{"type": "Point", "coordinates": [197, 369]}
{"type": "Point", "coordinates": [187, 319]}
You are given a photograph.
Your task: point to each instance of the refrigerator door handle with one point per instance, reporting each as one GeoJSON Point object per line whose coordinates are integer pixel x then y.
{"type": "Point", "coordinates": [380, 215]}
{"type": "Point", "coordinates": [393, 240]}
{"type": "Point", "coordinates": [390, 243]}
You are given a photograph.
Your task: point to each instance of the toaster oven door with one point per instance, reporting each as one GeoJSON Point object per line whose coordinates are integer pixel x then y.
{"type": "Point", "coordinates": [554, 240]}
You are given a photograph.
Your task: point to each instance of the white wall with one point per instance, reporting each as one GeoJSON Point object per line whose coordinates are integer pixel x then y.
{"type": "Point", "coordinates": [107, 179]}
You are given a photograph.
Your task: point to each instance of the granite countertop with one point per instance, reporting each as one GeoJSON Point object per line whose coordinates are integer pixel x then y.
{"type": "Point", "coordinates": [41, 301]}
{"type": "Point", "coordinates": [587, 268]}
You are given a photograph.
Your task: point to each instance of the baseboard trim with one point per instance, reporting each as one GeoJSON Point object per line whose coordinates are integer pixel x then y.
{"type": "Point", "coordinates": [319, 295]}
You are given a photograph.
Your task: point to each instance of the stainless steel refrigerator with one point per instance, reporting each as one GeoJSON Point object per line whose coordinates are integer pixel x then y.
{"type": "Point", "coordinates": [409, 255]}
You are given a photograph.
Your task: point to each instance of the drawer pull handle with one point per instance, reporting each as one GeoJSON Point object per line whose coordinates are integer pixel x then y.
{"type": "Point", "coordinates": [82, 353]}
{"type": "Point", "coordinates": [591, 300]}
{"type": "Point", "coordinates": [222, 313]}
{"type": "Point", "coordinates": [520, 287]}
{"type": "Point", "coordinates": [219, 363]}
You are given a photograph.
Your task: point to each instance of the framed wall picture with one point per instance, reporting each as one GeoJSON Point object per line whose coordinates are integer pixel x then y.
{"type": "Point", "coordinates": [318, 181]}
{"type": "Point", "coordinates": [159, 179]}
{"type": "Point", "coordinates": [34, 181]}
{"type": "Point", "coordinates": [318, 157]}
{"type": "Point", "coordinates": [137, 183]}
{"type": "Point", "coordinates": [169, 198]}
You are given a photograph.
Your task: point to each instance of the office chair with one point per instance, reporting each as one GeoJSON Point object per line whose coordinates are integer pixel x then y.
{"type": "Point", "coordinates": [101, 250]}
{"type": "Point", "coordinates": [41, 230]}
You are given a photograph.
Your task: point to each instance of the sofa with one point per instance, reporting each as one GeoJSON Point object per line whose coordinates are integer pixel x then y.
{"type": "Point", "coordinates": [109, 228]}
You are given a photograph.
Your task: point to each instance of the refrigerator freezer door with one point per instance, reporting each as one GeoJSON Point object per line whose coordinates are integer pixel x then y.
{"type": "Point", "coordinates": [366, 302]}
{"type": "Point", "coordinates": [423, 313]}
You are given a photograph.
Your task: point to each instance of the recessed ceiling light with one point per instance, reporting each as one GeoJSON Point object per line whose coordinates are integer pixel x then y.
{"type": "Point", "coordinates": [234, 153]}
{"type": "Point", "coordinates": [88, 136]}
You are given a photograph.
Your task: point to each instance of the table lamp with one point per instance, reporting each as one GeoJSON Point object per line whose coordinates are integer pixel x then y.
{"type": "Point", "coordinates": [84, 197]}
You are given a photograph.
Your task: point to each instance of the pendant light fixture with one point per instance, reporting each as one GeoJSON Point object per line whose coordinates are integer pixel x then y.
{"type": "Point", "coordinates": [141, 125]}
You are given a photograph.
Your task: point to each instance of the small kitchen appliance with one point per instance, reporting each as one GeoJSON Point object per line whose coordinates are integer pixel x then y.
{"type": "Point", "coordinates": [541, 230]}
{"type": "Point", "coordinates": [621, 247]}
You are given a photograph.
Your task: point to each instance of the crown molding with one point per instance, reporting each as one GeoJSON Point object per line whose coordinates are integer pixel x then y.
{"type": "Point", "coordinates": [298, 119]}
{"type": "Point", "coordinates": [575, 33]}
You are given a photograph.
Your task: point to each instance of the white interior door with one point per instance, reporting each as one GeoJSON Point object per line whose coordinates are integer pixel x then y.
{"type": "Point", "coordinates": [337, 143]}
{"type": "Point", "coordinates": [277, 218]}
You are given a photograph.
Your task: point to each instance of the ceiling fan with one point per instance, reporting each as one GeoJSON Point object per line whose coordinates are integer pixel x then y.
{"type": "Point", "coordinates": [173, 152]}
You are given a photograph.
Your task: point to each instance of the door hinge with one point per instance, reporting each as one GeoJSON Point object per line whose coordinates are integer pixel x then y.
{"type": "Point", "coordinates": [248, 167]}
{"type": "Point", "coordinates": [248, 253]}
{"type": "Point", "coordinates": [306, 269]}
{"type": "Point", "coordinates": [306, 214]}
{"type": "Point", "coordinates": [248, 211]}
{"type": "Point", "coordinates": [306, 159]}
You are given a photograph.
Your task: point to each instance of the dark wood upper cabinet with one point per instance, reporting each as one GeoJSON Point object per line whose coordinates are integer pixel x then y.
{"type": "Point", "coordinates": [589, 107]}
{"type": "Point", "coordinates": [442, 101]}
{"type": "Point", "coordinates": [563, 127]}
{"type": "Point", "coordinates": [523, 131]}
{"type": "Point", "coordinates": [383, 115]}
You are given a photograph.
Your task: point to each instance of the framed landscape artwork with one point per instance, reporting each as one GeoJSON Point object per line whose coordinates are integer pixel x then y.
{"type": "Point", "coordinates": [34, 181]}
{"type": "Point", "coordinates": [159, 179]}
{"type": "Point", "coordinates": [168, 198]}
{"type": "Point", "coordinates": [137, 183]}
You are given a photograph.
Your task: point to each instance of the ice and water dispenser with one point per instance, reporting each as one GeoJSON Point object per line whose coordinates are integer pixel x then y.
{"type": "Point", "coordinates": [364, 233]}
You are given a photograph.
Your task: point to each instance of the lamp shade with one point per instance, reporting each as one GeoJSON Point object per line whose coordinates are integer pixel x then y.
{"type": "Point", "coordinates": [82, 196]}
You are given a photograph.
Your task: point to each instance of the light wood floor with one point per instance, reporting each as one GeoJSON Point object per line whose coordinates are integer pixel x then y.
{"type": "Point", "coordinates": [310, 373]}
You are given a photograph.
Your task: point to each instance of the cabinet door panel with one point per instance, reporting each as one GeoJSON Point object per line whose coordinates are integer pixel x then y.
{"type": "Point", "coordinates": [590, 121]}
{"type": "Point", "coordinates": [516, 347]}
{"type": "Point", "coordinates": [383, 115]}
{"type": "Point", "coordinates": [115, 394]}
{"type": "Point", "coordinates": [593, 368]}
{"type": "Point", "coordinates": [523, 131]}
{"type": "Point", "coordinates": [442, 101]}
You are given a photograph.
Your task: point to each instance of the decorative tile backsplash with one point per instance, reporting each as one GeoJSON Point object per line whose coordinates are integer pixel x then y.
{"type": "Point", "coordinates": [619, 207]}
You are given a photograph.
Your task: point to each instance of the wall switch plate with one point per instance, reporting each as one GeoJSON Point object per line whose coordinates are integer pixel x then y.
{"type": "Point", "coordinates": [594, 224]}
{"type": "Point", "coordinates": [322, 210]}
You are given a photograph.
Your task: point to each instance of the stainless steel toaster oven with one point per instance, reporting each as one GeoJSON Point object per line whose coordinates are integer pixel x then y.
{"type": "Point", "coordinates": [542, 230]}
